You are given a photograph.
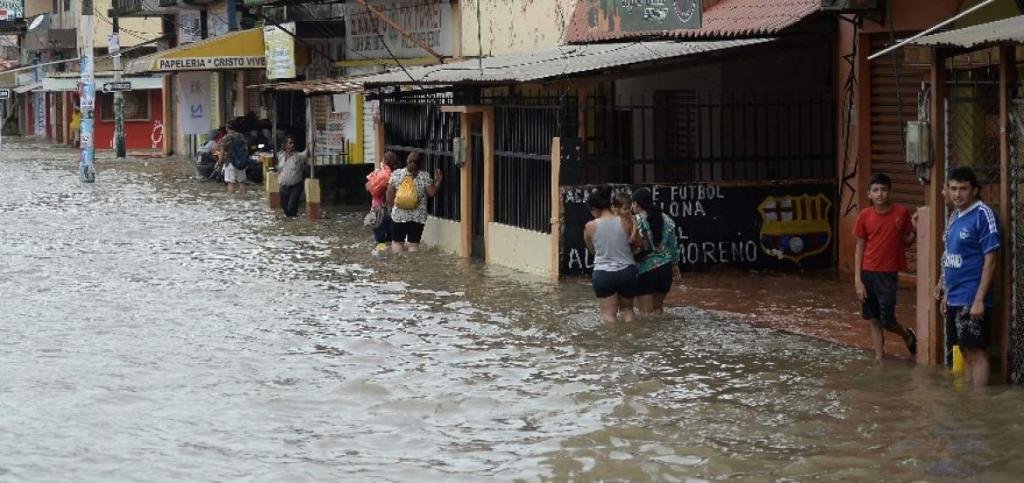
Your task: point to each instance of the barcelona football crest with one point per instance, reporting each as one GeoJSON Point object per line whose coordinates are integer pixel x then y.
{"type": "Point", "coordinates": [795, 227]}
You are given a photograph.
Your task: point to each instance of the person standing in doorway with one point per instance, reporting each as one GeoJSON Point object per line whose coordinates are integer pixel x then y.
{"type": "Point", "coordinates": [407, 195]}
{"type": "Point", "coordinates": [658, 255]}
{"type": "Point", "coordinates": [969, 264]}
{"type": "Point", "coordinates": [883, 231]}
{"type": "Point", "coordinates": [235, 155]}
{"type": "Point", "coordinates": [377, 186]}
{"type": "Point", "coordinates": [292, 167]}
{"type": "Point", "coordinates": [608, 237]}
{"type": "Point", "coordinates": [75, 126]}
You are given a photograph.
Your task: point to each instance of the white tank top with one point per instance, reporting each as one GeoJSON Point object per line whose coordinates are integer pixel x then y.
{"type": "Point", "coordinates": [611, 245]}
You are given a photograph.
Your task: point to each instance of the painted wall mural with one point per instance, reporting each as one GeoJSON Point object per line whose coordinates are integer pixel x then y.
{"type": "Point", "coordinates": [754, 227]}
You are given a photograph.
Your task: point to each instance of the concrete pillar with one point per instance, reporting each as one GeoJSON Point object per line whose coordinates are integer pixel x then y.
{"type": "Point", "coordinates": [931, 349]}
{"type": "Point", "coordinates": [273, 190]}
{"type": "Point", "coordinates": [556, 204]}
{"type": "Point", "coordinates": [313, 198]}
{"type": "Point", "coordinates": [466, 186]}
{"type": "Point", "coordinates": [930, 346]}
{"type": "Point", "coordinates": [167, 98]}
{"type": "Point", "coordinates": [488, 140]}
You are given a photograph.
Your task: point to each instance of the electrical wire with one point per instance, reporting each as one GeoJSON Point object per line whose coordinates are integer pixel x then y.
{"type": "Point", "coordinates": [376, 28]}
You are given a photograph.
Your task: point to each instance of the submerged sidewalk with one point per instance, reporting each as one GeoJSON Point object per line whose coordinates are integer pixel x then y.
{"type": "Point", "coordinates": [815, 304]}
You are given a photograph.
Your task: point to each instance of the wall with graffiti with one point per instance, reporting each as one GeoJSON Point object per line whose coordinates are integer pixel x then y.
{"type": "Point", "coordinates": [753, 227]}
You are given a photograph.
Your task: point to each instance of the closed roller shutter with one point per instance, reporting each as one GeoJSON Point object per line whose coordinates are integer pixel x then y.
{"type": "Point", "coordinates": [887, 145]}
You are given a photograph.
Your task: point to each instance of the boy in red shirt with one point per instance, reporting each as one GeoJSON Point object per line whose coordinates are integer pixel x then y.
{"type": "Point", "coordinates": [883, 232]}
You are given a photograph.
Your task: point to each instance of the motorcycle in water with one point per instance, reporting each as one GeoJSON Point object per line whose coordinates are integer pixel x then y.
{"type": "Point", "coordinates": [210, 165]}
{"type": "Point", "coordinates": [254, 172]}
{"type": "Point", "coordinates": [207, 163]}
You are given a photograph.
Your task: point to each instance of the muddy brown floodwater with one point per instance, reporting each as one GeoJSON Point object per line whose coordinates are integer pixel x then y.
{"type": "Point", "coordinates": [153, 328]}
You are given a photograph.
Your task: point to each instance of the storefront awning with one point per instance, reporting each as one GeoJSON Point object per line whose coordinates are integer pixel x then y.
{"type": "Point", "coordinates": [552, 64]}
{"type": "Point", "coordinates": [8, 80]}
{"type": "Point", "coordinates": [35, 86]}
{"type": "Point", "coordinates": [338, 85]}
{"type": "Point", "coordinates": [1007, 30]}
{"type": "Point", "coordinates": [70, 84]}
{"type": "Point", "coordinates": [234, 50]}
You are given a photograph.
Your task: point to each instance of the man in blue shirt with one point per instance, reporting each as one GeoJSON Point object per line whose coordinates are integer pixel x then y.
{"type": "Point", "coordinates": [972, 243]}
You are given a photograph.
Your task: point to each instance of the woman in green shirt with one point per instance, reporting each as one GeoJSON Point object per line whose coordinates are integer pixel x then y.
{"type": "Point", "coordinates": [659, 253]}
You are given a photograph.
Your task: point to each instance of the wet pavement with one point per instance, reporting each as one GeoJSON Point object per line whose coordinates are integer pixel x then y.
{"type": "Point", "coordinates": [154, 328]}
{"type": "Point", "coordinates": [815, 303]}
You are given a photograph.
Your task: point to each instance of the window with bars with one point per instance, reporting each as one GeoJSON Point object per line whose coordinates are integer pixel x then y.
{"type": "Point", "coordinates": [136, 106]}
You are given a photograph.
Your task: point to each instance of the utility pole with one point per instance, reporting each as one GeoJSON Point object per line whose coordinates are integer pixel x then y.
{"type": "Point", "coordinates": [86, 169]}
{"type": "Point", "coordinates": [114, 49]}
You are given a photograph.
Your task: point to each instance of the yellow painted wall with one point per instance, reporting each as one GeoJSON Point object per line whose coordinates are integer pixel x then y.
{"type": "Point", "coordinates": [524, 250]}
{"type": "Point", "coordinates": [514, 26]}
{"type": "Point", "coordinates": [442, 234]}
{"type": "Point", "coordinates": [134, 31]}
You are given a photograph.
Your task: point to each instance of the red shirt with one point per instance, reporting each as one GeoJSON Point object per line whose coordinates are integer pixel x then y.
{"type": "Point", "coordinates": [883, 237]}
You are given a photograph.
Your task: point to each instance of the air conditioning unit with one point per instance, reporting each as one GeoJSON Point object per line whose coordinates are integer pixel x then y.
{"type": "Point", "coordinates": [850, 6]}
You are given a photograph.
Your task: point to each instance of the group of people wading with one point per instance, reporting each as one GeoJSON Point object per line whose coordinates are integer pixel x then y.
{"type": "Point", "coordinates": [635, 252]}
{"type": "Point", "coordinates": [398, 210]}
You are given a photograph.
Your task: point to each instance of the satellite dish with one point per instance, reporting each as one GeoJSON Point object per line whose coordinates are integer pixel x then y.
{"type": "Point", "coordinates": [35, 22]}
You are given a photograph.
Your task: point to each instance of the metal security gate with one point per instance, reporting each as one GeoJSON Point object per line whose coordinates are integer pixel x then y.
{"type": "Point", "coordinates": [524, 127]}
{"type": "Point", "coordinates": [972, 140]}
{"type": "Point", "coordinates": [1016, 255]}
{"type": "Point", "coordinates": [418, 124]}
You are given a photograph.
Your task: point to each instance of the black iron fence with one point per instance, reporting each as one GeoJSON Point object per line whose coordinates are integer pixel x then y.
{"type": "Point", "coordinates": [677, 136]}
{"type": "Point", "coordinates": [1016, 255]}
{"type": "Point", "coordinates": [524, 130]}
{"type": "Point", "coordinates": [417, 124]}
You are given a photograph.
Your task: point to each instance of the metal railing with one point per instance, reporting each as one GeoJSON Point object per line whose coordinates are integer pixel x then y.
{"type": "Point", "coordinates": [678, 136]}
{"type": "Point", "coordinates": [417, 124]}
{"type": "Point", "coordinates": [524, 128]}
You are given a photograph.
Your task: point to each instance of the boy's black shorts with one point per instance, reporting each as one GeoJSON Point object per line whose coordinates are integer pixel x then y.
{"type": "Point", "coordinates": [966, 332]}
{"type": "Point", "coordinates": [880, 303]}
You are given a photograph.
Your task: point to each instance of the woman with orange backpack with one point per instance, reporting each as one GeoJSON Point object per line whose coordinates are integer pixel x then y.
{"type": "Point", "coordinates": [407, 194]}
{"type": "Point", "coordinates": [379, 218]}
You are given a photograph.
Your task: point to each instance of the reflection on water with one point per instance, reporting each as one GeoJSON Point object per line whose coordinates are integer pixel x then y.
{"type": "Point", "coordinates": [155, 328]}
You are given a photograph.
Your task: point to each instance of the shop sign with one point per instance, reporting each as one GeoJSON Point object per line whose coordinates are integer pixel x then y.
{"type": "Point", "coordinates": [12, 9]}
{"type": "Point", "coordinates": [368, 37]}
{"type": "Point", "coordinates": [217, 20]}
{"type": "Point", "coordinates": [194, 103]}
{"type": "Point", "coordinates": [279, 43]}
{"type": "Point", "coordinates": [212, 63]}
{"type": "Point", "coordinates": [189, 27]}
{"type": "Point", "coordinates": [750, 227]}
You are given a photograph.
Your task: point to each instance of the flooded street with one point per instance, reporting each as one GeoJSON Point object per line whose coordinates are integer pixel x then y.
{"type": "Point", "coordinates": [154, 328]}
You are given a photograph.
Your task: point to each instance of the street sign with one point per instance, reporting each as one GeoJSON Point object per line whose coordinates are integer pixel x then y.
{"type": "Point", "coordinates": [117, 86]}
{"type": "Point", "coordinates": [5, 94]}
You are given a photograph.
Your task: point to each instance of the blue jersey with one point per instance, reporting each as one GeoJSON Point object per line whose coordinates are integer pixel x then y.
{"type": "Point", "coordinates": [973, 233]}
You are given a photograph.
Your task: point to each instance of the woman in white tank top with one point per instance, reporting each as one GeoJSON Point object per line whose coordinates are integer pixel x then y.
{"type": "Point", "coordinates": [608, 238]}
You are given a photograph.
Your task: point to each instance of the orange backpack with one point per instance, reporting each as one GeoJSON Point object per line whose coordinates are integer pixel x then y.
{"type": "Point", "coordinates": [377, 184]}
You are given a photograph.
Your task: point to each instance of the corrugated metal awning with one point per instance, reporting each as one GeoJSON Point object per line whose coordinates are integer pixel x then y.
{"type": "Point", "coordinates": [1007, 30]}
{"type": "Point", "coordinates": [725, 19]}
{"type": "Point", "coordinates": [337, 85]}
{"type": "Point", "coordinates": [551, 64]}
